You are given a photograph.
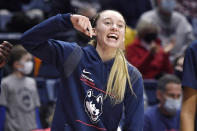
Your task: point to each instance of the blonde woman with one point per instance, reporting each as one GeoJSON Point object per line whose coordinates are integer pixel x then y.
{"type": "Point", "coordinates": [101, 84]}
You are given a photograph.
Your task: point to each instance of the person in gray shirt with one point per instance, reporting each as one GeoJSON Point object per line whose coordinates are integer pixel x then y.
{"type": "Point", "coordinates": [175, 30]}
{"type": "Point", "coordinates": [19, 99]}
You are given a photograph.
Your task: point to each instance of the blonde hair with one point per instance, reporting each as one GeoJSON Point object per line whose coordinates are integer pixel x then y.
{"type": "Point", "coordinates": [118, 78]}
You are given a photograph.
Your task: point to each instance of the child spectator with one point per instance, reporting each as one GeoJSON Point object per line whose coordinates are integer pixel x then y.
{"type": "Point", "coordinates": [19, 100]}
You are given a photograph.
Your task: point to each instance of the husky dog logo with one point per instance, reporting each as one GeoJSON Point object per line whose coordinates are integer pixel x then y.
{"type": "Point", "coordinates": [93, 105]}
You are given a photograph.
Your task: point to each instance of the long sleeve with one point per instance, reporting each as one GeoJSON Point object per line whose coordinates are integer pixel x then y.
{"type": "Point", "coordinates": [134, 105]}
{"type": "Point", "coordinates": [37, 40]}
{"type": "Point", "coordinates": [189, 67]}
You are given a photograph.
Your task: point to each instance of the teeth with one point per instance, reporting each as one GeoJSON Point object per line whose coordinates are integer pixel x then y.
{"type": "Point", "coordinates": [113, 36]}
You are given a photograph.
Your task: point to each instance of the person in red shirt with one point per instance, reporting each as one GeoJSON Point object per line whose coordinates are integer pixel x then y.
{"type": "Point", "coordinates": [147, 54]}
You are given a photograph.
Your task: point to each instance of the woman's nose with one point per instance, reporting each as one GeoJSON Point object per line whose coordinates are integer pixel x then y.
{"type": "Point", "coordinates": [114, 27]}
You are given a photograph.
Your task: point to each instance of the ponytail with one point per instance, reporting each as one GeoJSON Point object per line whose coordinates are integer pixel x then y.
{"type": "Point", "coordinates": [118, 79]}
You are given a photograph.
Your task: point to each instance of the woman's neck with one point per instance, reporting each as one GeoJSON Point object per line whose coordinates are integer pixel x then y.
{"type": "Point", "coordinates": [106, 53]}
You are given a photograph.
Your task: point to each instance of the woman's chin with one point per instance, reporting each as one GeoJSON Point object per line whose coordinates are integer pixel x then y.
{"type": "Point", "coordinates": [112, 45]}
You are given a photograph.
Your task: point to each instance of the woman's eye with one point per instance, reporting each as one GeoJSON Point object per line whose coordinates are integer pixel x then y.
{"type": "Point", "coordinates": [107, 23]}
{"type": "Point", "coordinates": [120, 26]}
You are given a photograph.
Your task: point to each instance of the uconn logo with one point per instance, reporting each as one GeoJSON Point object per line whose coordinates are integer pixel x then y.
{"type": "Point", "coordinates": [93, 105]}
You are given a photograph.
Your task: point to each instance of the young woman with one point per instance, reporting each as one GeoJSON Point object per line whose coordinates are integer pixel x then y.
{"type": "Point", "coordinates": [101, 84]}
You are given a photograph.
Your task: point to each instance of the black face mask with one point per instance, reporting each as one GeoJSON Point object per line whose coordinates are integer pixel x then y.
{"type": "Point", "coordinates": [150, 37]}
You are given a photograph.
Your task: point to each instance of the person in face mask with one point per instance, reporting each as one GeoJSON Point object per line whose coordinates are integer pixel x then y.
{"type": "Point", "coordinates": [146, 53]}
{"type": "Point", "coordinates": [166, 115]}
{"type": "Point", "coordinates": [175, 30]}
{"type": "Point", "coordinates": [19, 99]}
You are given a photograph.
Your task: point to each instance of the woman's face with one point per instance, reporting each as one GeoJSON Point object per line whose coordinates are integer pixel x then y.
{"type": "Point", "coordinates": [110, 29]}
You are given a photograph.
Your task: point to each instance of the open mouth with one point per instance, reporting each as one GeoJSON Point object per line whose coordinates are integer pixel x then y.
{"type": "Point", "coordinates": [112, 36]}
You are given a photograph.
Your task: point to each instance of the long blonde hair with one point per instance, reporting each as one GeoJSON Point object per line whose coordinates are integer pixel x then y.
{"type": "Point", "coordinates": [119, 76]}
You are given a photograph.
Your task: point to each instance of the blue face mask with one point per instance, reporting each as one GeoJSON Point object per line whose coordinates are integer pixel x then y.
{"type": "Point", "coordinates": [168, 5]}
{"type": "Point", "coordinates": [172, 105]}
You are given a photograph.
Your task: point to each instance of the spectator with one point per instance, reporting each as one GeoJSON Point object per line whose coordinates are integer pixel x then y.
{"type": "Point", "coordinates": [174, 26]}
{"type": "Point", "coordinates": [166, 115]}
{"type": "Point", "coordinates": [189, 9]}
{"type": "Point", "coordinates": [146, 52]}
{"type": "Point", "coordinates": [189, 83]}
{"type": "Point", "coordinates": [19, 100]}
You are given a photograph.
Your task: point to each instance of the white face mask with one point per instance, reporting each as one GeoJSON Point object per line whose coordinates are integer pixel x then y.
{"type": "Point", "coordinates": [168, 5]}
{"type": "Point", "coordinates": [27, 67]}
{"type": "Point", "coordinates": [172, 105]}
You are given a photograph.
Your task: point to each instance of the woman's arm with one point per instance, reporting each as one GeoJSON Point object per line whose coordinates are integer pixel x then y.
{"type": "Point", "coordinates": [188, 111]}
{"type": "Point", "coordinates": [189, 82]}
{"type": "Point", "coordinates": [38, 40]}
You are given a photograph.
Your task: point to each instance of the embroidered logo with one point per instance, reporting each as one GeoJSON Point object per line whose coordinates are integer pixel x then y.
{"type": "Point", "coordinates": [86, 72]}
{"type": "Point", "coordinates": [93, 105]}
{"type": "Point", "coordinates": [85, 76]}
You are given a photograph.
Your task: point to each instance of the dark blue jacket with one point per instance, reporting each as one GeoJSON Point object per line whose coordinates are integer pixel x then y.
{"type": "Point", "coordinates": [81, 105]}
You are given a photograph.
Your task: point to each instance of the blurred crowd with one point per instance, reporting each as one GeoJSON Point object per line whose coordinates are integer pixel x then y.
{"type": "Point", "coordinates": [158, 33]}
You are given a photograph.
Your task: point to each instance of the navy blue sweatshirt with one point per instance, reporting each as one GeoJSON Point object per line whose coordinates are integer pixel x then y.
{"type": "Point", "coordinates": [81, 105]}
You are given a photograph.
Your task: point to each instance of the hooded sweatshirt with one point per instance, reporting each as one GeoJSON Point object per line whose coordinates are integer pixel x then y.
{"type": "Point", "coordinates": [81, 103]}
